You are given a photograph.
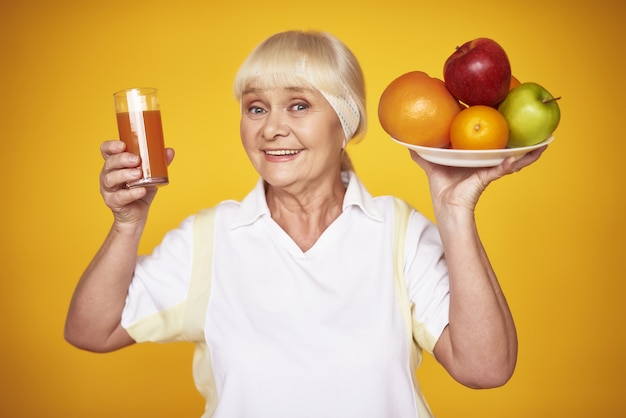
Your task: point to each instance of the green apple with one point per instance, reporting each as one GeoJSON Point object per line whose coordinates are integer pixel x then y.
{"type": "Point", "coordinates": [532, 114]}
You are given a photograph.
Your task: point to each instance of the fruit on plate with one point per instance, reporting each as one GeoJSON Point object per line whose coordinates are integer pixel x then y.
{"type": "Point", "coordinates": [514, 83]}
{"type": "Point", "coordinates": [479, 127]}
{"type": "Point", "coordinates": [532, 114]}
{"type": "Point", "coordinates": [478, 73]}
{"type": "Point", "coordinates": [418, 109]}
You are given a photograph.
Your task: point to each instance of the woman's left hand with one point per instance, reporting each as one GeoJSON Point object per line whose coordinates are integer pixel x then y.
{"type": "Point", "coordinates": [460, 186]}
{"type": "Point", "coordinates": [479, 345]}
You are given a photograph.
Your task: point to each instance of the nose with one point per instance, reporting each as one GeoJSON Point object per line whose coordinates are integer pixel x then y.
{"type": "Point", "coordinates": [276, 125]}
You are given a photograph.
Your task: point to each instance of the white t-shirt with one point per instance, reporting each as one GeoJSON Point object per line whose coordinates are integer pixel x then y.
{"type": "Point", "coordinates": [305, 334]}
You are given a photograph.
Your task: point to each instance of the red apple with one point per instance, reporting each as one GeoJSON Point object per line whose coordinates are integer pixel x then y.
{"type": "Point", "coordinates": [478, 73]}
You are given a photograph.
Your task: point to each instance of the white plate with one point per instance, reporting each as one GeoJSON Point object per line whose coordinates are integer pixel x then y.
{"type": "Point", "coordinates": [471, 158]}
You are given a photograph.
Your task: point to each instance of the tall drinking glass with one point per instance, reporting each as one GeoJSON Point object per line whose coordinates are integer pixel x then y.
{"type": "Point", "coordinates": [139, 124]}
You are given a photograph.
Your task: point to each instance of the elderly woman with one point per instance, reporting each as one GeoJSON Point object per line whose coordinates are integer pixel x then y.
{"type": "Point", "coordinates": [291, 294]}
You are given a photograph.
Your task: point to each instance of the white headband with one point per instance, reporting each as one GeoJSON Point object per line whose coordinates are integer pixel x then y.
{"type": "Point", "coordinates": [348, 112]}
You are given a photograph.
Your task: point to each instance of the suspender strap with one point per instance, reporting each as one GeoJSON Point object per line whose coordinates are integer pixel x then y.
{"type": "Point", "coordinates": [201, 272]}
{"type": "Point", "coordinates": [197, 303]}
{"type": "Point", "coordinates": [402, 214]}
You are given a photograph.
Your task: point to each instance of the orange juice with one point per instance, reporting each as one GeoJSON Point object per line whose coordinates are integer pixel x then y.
{"type": "Point", "coordinates": [143, 135]}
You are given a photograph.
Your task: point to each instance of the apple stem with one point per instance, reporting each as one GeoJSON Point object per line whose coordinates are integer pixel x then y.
{"type": "Point", "coordinates": [554, 99]}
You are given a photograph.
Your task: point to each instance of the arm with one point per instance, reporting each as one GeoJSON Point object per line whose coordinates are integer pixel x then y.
{"type": "Point", "coordinates": [94, 318]}
{"type": "Point", "coordinates": [479, 346]}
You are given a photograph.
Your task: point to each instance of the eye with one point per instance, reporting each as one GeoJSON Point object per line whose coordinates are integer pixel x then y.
{"type": "Point", "coordinates": [300, 106]}
{"type": "Point", "coordinates": [255, 111]}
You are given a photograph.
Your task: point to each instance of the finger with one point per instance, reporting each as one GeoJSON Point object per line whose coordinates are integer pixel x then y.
{"type": "Point", "coordinates": [120, 161]}
{"type": "Point", "coordinates": [123, 197]}
{"type": "Point", "coordinates": [169, 155]}
{"type": "Point", "coordinates": [513, 164]}
{"type": "Point", "coordinates": [425, 165]}
{"type": "Point", "coordinates": [118, 171]}
{"type": "Point", "coordinates": [114, 180]}
{"type": "Point", "coordinates": [109, 148]}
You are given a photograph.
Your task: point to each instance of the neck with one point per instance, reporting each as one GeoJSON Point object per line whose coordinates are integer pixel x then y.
{"type": "Point", "coordinates": [305, 216]}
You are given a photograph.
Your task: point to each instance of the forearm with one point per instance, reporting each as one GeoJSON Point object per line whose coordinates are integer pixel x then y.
{"type": "Point", "coordinates": [482, 347]}
{"type": "Point", "coordinates": [93, 321]}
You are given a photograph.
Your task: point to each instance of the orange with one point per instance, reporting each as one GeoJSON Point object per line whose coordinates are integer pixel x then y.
{"type": "Point", "coordinates": [418, 109]}
{"type": "Point", "coordinates": [514, 83]}
{"type": "Point", "coordinates": [479, 128]}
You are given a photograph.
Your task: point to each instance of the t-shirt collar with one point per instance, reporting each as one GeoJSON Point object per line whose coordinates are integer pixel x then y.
{"type": "Point", "coordinates": [254, 205]}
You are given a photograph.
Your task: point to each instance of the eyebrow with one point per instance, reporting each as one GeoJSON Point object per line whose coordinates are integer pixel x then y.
{"type": "Point", "coordinates": [293, 89]}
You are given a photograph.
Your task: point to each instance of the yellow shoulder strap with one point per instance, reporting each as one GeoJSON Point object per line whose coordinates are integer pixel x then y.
{"type": "Point", "coordinates": [402, 213]}
{"type": "Point", "coordinates": [197, 303]}
{"type": "Point", "coordinates": [401, 220]}
{"type": "Point", "coordinates": [200, 284]}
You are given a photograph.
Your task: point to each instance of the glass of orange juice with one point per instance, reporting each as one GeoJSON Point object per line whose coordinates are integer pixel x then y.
{"type": "Point", "coordinates": [139, 124]}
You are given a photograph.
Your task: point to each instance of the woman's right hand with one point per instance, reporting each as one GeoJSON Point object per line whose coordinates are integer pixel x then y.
{"type": "Point", "coordinates": [129, 206]}
{"type": "Point", "coordinates": [94, 318]}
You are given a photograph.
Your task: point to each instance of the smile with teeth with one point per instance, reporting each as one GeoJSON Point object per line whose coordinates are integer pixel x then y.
{"type": "Point", "coordinates": [282, 152]}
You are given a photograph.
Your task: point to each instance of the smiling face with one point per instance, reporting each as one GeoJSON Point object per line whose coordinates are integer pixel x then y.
{"type": "Point", "coordinates": [292, 136]}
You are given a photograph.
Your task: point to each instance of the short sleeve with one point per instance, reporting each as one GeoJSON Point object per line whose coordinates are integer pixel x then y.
{"type": "Point", "coordinates": [160, 283]}
{"type": "Point", "coordinates": [426, 276]}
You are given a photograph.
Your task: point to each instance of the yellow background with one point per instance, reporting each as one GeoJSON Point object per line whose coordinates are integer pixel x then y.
{"type": "Point", "coordinates": [555, 232]}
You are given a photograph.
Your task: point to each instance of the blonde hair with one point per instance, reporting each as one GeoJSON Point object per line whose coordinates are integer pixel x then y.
{"type": "Point", "coordinates": [307, 59]}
